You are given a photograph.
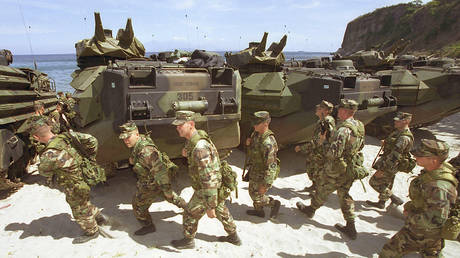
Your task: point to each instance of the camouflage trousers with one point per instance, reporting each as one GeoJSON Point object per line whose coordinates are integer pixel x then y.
{"type": "Point", "coordinates": [383, 185]}
{"type": "Point", "coordinates": [328, 185]}
{"type": "Point", "coordinates": [83, 211]}
{"type": "Point", "coordinates": [314, 167]}
{"type": "Point", "coordinates": [259, 200]}
{"type": "Point", "coordinates": [196, 209]}
{"type": "Point", "coordinates": [406, 241]}
{"type": "Point", "coordinates": [146, 194]}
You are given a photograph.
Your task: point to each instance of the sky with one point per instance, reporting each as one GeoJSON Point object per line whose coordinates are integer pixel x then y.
{"type": "Point", "coordinates": [53, 27]}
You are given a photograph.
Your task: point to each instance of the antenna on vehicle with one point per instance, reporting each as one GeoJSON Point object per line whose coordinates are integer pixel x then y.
{"type": "Point", "coordinates": [27, 34]}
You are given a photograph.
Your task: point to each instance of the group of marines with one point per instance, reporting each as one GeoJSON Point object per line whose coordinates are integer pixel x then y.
{"type": "Point", "coordinates": [334, 161]}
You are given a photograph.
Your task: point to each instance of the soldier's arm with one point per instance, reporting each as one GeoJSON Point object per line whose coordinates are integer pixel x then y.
{"type": "Point", "coordinates": [398, 152]}
{"type": "Point", "coordinates": [208, 172]}
{"type": "Point", "coordinates": [336, 148]}
{"type": "Point", "coordinates": [89, 141]}
{"type": "Point", "coordinates": [271, 163]}
{"type": "Point", "coordinates": [53, 159]}
{"type": "Point", "coordinates": [438, 206]}
{"type": "Point", "coordinates": [150, 158]}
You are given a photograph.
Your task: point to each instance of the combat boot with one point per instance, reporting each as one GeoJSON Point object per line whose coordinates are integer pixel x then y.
{"type": "Point", "coordinates": [232, 238]}
{"type": "Point", "coordinates": [258, 213]}
{"type": "Point", "coordinates": [275, 208]}
{"type": "Point", "coordinates": [349, 229]}
{"type": "Point", "coordinates": [184, 243]}
{"type": "Point", "coordinates": [85, 238]}
{"type": "Point", "coordinates": [308, 210]}
{"type": "Point", "coordinates": [145, 230]}
{"type": "Point", "coordinates": [309, 188]}
{"type": "Point", "coordinates": [396, 200]}
{"type": "Point", "coordinates": [380, 204]}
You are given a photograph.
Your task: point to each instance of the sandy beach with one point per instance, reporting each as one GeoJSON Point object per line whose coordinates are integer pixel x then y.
{"type": "Point", "coordinates": [36, 220]}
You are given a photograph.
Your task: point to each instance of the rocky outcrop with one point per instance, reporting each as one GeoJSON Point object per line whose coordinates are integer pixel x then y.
{"type": "Point", "coordinates": [432, 28]}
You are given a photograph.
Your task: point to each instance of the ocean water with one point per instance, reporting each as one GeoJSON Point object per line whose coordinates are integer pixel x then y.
{"type": "Point", "coordinates": [60, 66]}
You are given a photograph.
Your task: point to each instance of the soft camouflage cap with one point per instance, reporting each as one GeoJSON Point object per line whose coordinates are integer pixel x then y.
{"type": "Point", "coordinates": [183, 116]}
{"type": "Point", "coordinates": [326, 105]}
{"type": "Point", "coordinates": [260, 117]}
{"type": "Point", "coordinates": [38, 104]}
{"type": "Point", "coordinates": [348, 104]}
{"type": "Point", "coordinates": [126, 129]}
{"type": "Point", "coordinates": [402, 116]}
{"type": "Point", "coordinates": [429, 148]}
{"type": "Point", "coordinates": [37, 123]}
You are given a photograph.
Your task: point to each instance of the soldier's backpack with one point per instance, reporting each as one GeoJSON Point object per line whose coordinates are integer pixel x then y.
{"type": "Point", "coordinates": [93, 174]}
{"type": "Point", "coordinates": [356, 170]}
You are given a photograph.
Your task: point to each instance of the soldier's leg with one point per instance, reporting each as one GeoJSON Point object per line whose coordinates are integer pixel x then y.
{"type": "Point", "coordinates": [347, 204]}
{"type": "Point", "coordinates": [82, 210]}
{"type": "Point", "coordinates": [224, 216]}
{"type": "Point", "coordinates": [259, 200]}
{"type": "Point", "coordinates": [192, 214]}
{"type": "Point", "coordinates": [172, 197]}
{"type": "Point", "coordinates": [142, 200]}
{"type": "Point", "coordinates": [326, 186]}
{"type": "Point", "coordinates": [399, 245]}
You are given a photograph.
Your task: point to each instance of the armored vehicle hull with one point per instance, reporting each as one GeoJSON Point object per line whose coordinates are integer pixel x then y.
{"type": "Point", "coordinates": [429, 93]}
{"type": "Point", "coordinates": [290, 93]}
{"type": "Point", "coordinates": [19, 88]}
{"type": "Point", "coordinates": [149, 93]}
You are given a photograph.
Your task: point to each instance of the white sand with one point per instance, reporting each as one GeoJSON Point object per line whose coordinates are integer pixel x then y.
{"type": "Point", "coordinates": [38, 224]}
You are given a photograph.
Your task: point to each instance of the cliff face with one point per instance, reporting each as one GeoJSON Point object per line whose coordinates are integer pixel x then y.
{"type": "Point", "coordinates": [433, 28]}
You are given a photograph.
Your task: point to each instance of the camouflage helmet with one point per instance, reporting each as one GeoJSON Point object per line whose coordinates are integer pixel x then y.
{"type": "Point", "coordinates": [430, 148]}
{"type": "Point", "coordinates": [326, 105]}
{"type": "Point", "coordinates": [402, 116]}
{"type": "Point", "coordinates": [68, 94]}
{"type": "Point", "coordinates": [183, 116]}
{"type": "Point", "coordinates": [127, 129]}
{"type": "Point", "coordinates": [348, 104]}
{"type": "Point", "coordinates": [260, 117]}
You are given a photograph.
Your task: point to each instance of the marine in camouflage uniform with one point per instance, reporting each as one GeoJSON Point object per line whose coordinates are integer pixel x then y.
{"type": "Point", "coordinates": [152, 168]}
{"type": "Point", "coordinates": [206, 177]}
{"type": "Point", "coordinates": [59, 119]}
{"type": "Point", "coordinates": [432, 194]}
{"type": "Point", "coordinates": [264, 166]}
{"type": "Point", "coordinates": [61, 160]}
{"type": "Point", "coordinates": [455, 210]}
{"type": "Point", "coordinates": [69, 108]}
{"type": "Point", "coordinates": [396, 148]}
{"type": "Point", "coordinates": [312, 148]}
{"type": "Point", "coordinates": [347, 158]}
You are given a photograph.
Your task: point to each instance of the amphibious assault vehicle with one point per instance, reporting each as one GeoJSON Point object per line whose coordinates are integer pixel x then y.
{"type": "Point", "coordinates": [291, 93]}
{"type": "Point", "coordinates": [430, 90]}
{"type": "Point", "coordinates": [19, 88]}
{"type": "Point", "coordinates": [116, 83]}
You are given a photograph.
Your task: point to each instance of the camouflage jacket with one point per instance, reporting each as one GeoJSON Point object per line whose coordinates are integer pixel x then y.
{"type": "Point", "coordinates": [396, 147]}
{"type": "Point", "coordinates": [264, 164]}
{"type": "Point", "coordinates": [313, 146]}
{"type": "Point", "coordinates": [62, 160]}
{"type": "Point", "coordinates": [347, 141]}
{"type": "Point", "coordinates": [432, 195]}
{"type": "Point", "coordinates": [204, 167]}
{"type": "Point", "coordinates": [148, 162]}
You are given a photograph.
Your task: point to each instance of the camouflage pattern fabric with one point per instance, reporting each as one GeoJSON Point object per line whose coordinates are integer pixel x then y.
{"type": "Point", "coordinates": [345, 144]}
{"type": "Point", "coordinates": [204, 171]}
{"type": "Point", "coordinates": [62, 161]}
{"type": "Point", "coordinates": [432, 195]}
{"type": "Point", "coordinates": [264, 166]}
{"type": "Point", "coordinates": [397, 147]}
{"type": "Point", "coordinates": [152, 179]}
{"type": "Point", "coordinates": [34, 144]}
{"type": "Point", "coordinates": [315, 151]}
